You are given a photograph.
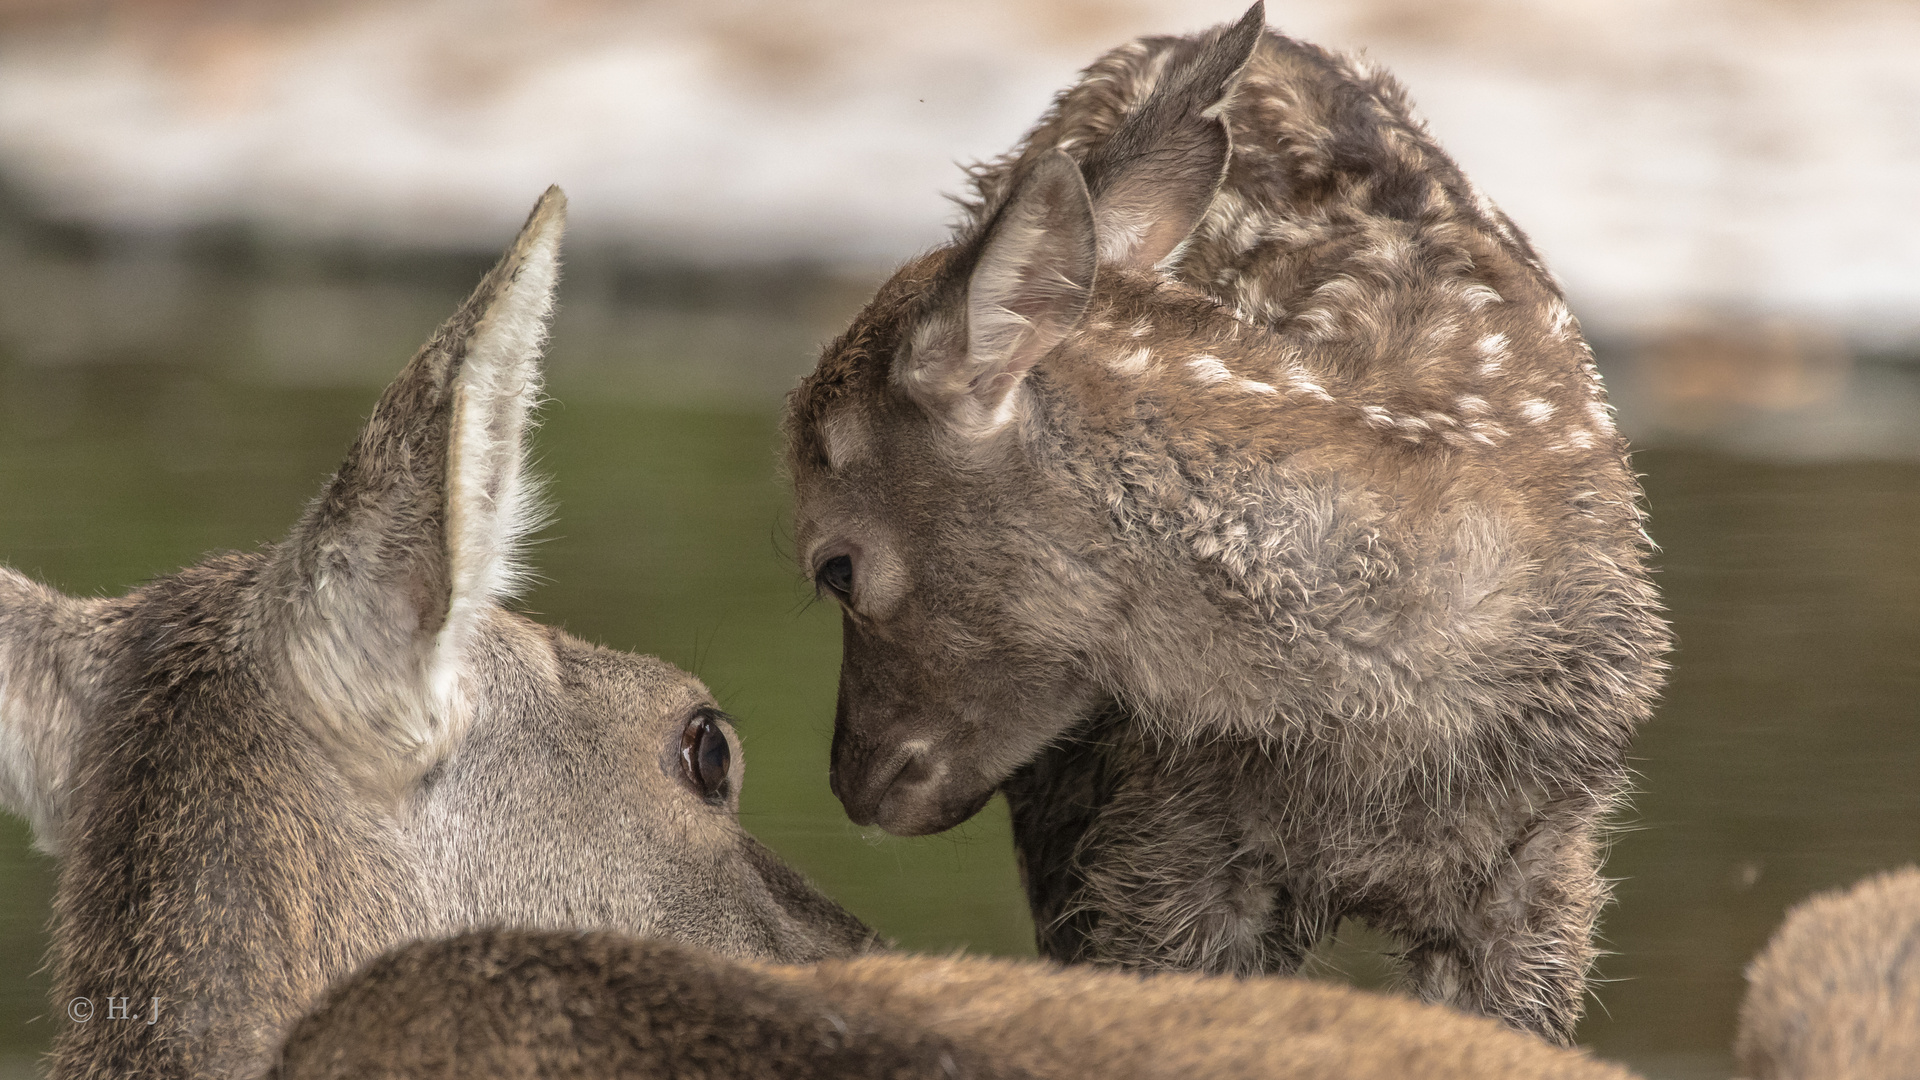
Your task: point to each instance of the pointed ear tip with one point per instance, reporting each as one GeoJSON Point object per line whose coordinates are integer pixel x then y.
{"type": "Point", "coordinates": [1252, 23]}
{"type": "Point", "coordinates": [549, 217]}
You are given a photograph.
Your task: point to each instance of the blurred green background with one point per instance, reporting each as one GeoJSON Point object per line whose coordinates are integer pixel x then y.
{"type": "Point", "coordinates": [158, 403]}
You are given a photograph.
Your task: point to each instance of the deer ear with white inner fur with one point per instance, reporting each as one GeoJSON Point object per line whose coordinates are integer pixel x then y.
{"type": "Point", "coordinates": [1156, 175]}
{"type": "Point", "coordinates": [417, 538]}
{"type": "Point", "coordinates": [1027, 290]}
{"type": "Point", "coordinates": [48, 669]}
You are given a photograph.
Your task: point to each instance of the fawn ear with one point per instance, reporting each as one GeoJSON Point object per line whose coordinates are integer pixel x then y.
{"type": "Point", "coordinates": [1155, 176]}
{"type": "Point", "coordinates": [418, 537]}
{"type": "Point", "coordinates": [1027, 289]}
{"type": "Point", "coordinates": [49, 668]}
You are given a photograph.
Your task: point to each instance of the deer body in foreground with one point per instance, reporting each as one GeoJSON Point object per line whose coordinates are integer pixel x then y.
{"type": "Point", "coordinates": [1835, 995]}
{"type": "Point", "coordinates": [1237, 494]}
{"type": "Point", "coordinates": [514, 1006]}
{"type": "Point", "coordinates": [262, 771]}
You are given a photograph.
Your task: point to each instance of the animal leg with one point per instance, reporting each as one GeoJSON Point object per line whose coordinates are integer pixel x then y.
{"type": "Point", "coordinates": [1521, 948]}
{"type": "Point", "coordinates": [1170, 878]}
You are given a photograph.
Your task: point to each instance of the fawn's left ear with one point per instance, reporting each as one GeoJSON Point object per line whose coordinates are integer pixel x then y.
{"type": "Point", "coordinates": [1028, 287]}
{"type": "Point", "coordinates": [49, 668]}
{"type": "Point", "coordinates": [1154, 177]}
{"type": "Point", "coordinates": [417, 538]}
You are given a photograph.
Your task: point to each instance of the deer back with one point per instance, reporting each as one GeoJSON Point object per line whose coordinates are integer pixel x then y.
{"type": "Point", "coordinates": [1836, 992]}
{"type": "Point", "coordinates": [553, 1005]}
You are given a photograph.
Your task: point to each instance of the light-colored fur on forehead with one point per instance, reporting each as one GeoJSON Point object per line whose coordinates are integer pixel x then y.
{"type": "Point", "coordinates": [845, 437]}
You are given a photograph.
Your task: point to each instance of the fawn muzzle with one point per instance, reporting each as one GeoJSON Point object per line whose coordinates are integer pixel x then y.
{"type": "Point", "coordinates": [907, 787]}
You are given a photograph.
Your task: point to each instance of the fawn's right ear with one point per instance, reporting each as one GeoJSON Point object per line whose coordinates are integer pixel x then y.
{"type": "Point", "coordinates": [49, 667]}
{"type": "Point", "coordinates": [402, 559]}
{"type": "Point", "coordinates": [1154, 177]}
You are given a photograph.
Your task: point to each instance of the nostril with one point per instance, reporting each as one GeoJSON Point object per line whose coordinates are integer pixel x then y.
{"type": "Point", "coordinates": [914, 771]}
{"type": "Point", "coordinates": [863, 791]}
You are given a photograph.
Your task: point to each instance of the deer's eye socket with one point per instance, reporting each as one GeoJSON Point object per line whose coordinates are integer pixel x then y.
{"type": "Point", "coordinates": [836, 576]}
{"type": "Point", "coordinates": [705, 757]}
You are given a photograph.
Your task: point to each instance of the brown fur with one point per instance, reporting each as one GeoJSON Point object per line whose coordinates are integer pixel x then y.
{"type": "Point", "coordinates": [1836, 994]}
{"type": "Point", "coordinates": [1291, 573]}
{"type": "Point", "coordinates": [512, 1006]}
{"type": "Point", "coordinates": [264, 770]}
{"type": "Point", "coordinates": [502, 1005]}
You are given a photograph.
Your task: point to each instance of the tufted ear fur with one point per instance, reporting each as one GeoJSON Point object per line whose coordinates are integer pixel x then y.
{"type": "Point", "coordinates": [1027, 290]}
{"type": "Point", "coordinates": [416, 539]}
{"type": "Point", "coordinates": [1154, 177]}
{"type": "Point", "coordinates": [50, 667]}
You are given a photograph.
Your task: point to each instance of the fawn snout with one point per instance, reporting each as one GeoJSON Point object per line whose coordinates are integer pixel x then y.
{"type": "Point", "coordinates": [909, 789]}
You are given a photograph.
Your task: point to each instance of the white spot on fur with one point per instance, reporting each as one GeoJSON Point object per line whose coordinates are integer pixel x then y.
{"type": "Point", "coordinates": [1478, 296]}
{"type": "Point", "coordinates": [1390, 253]}
{"type": "Point", "coordinates": [1300, 383]}
{"type": "Point", "coordinates": [1473, 405]}
{"type": "Point", "coordinates": [1560, 319]}
{"type": "Point", "coordinates": [1208, 369]}
{"type": "Point", "coordinates": [1140, 329]}
{"type": "Point", "coordinates": [1211, 371]}
{"type": "Point", "coordinates": [1486, 432]}
{"type": "Point", "coordinates": [1493, 352]}
{"type": "Point", "coordinates": [1602, 416]}
{"type": "Point", "coordinates": [1582, 438]}
{"type": "Point", "coordinates": [1536, 411]}
{"type": "Point", "coordinates": [1133, 363]}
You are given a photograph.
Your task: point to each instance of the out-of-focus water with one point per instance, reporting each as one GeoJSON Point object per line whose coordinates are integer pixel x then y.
{"type": "Point", "coordinates": [154, 408]}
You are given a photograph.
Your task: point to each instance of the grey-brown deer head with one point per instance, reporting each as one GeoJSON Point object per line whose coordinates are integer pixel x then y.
{"type": "Point", "coordinates": [264, 770]}
{"type": "Point", "coordinates": [976, 602]}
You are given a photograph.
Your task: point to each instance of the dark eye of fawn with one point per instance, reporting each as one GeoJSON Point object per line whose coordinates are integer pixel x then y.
{"type": "Point", "coordinates": [705, 757]}
{"type": "Point", "coordinates": [836, 576]}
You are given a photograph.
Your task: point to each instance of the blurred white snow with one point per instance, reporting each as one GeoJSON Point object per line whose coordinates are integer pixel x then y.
{"type": "Point", "coordinates": [1669, 156]}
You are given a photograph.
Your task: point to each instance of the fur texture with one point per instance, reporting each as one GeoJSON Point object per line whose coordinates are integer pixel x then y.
{"type": "Point", "coordinates": [1836, 994]}
{"type": "Point", "coordinates": [49, 679]}
{"type": "Point", "coordinates": [514, 1006]}
{"type": "Point", "coordinates": [1304, 577]}
{"type": "Point", "coordinates": [264, 770]}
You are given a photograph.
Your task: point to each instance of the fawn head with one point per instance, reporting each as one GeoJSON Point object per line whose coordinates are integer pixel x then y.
{"type": "Point", "coordinates": [973, 589]}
